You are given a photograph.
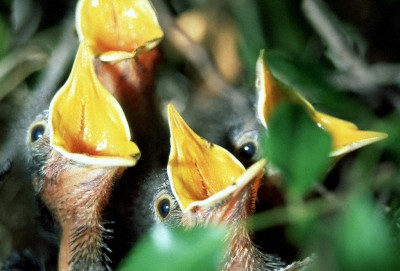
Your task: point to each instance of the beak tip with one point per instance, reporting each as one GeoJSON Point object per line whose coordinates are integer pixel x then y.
{"type": "Point", "coordinates": [136, 156]}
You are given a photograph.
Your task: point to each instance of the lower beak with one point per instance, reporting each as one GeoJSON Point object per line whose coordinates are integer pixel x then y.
{"type": "Point", "coordinates": [234, 203]}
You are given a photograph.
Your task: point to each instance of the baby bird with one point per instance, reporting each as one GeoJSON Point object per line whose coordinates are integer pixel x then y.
{"type": "Point", "coordinates": [77, 154]}
{"type": "Point", "coordinates": [160, 205]}
{"type": "Point", "coordinates": [76, 194]}
{"type": "Point", "coordinates": [204, 184]}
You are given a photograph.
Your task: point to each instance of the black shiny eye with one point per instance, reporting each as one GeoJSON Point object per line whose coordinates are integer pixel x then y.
{"type": "Point", "coordinates": [37, 132]}
{"type": "Point", "coordinates": [248, 150]}
{"type": "Point", "coordinates": [245, 144]}
{"type": "Point", "coordinates": [164, 207]}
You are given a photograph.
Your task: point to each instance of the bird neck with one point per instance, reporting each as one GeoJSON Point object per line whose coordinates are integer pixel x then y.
{"type": "Point", "coordinates": [239, 255]}
{"type": "Point", "coordinates": [77, 194]}
{"type": "Point", "coordinates": [242, 254]}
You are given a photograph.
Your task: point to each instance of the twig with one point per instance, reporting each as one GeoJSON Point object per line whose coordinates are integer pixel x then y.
{"type": "Point", "coordinates": [39, 99]}
{"type": "Point", "coordinates": [192, 51]}
{"type": "Point", "coordinates": [293, 213]}
{"type": "Point", "coordinates": [18, 65]}
{"type": "Point", "coordinates": [60, 60]}
{"type": "Point", "coordinates": [354, 73]}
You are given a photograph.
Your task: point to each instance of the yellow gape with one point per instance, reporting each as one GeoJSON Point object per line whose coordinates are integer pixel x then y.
{"type": "Point", "coordinates": [87, 124]}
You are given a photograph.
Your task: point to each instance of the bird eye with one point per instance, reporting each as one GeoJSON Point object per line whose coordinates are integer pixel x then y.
{"type": "Point", "coordinates": [248, 150]}
{"type": "Point", "coordinates": [163, 207]}
{"type": "Point", "coordinates": [37, 131]}
{"type": "Point", "coordinates": [246, 146]}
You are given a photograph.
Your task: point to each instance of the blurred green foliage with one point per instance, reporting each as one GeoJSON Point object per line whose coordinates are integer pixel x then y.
{"type": "Point", "coordinates": [363, 240]}
{"type": "Point", "coordinates": [173, 249]}
{"type": "Point", "coordinates": [298, 147]}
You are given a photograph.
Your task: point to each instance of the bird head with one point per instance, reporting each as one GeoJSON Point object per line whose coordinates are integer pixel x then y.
{"type": "Point", "coordinates": [84, 123]}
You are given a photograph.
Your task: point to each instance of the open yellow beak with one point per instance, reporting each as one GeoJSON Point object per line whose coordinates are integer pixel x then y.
{"type": "Point", "coordinates": [116, 30]}
{"type": "Point", "coordinates": [197, 168]}
{"type": "Point", "coordinates": [87, 124]}
{"type": "Point", "coordinates": [345, 135]}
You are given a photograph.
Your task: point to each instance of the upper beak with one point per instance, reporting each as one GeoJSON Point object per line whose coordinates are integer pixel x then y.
{"type": "Point", "coordinates": [87, 124]}
{"type": "Point", "coordinates": [116, 30]}
{"type": "Point", "coordinates": [345, 135]}
{"type": "Point", "coordinates": [204, 175]}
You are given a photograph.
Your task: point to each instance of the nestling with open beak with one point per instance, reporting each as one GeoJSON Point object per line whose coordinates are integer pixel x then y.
{"type": "Point", "coordinates": [212, 186]}
{"type": "Point", "coordinates": [205, 184]}
{"type": "Point", "coordinates": [79, 148]}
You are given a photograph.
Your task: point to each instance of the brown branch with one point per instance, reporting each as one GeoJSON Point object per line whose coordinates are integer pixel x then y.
{"type": "Point", "coordinates": [355, 73]}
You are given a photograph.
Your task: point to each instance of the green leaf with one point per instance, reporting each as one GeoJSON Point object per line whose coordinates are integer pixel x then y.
{"type": "Point", "coordinates": [177, 249]}
{"type": "Point", "coordinates": [298, 147]}
{"type": "Point", "coordinates": [363, 240]}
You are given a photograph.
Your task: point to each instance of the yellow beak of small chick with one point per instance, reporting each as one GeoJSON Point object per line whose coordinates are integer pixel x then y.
{"type": "Point", "coordinates": [87, 124]}
{"type": "Point", "coordinates": [203, 174]}
{"type": "Point", "coordinates": [345, 135]}
{"type": "Point", "coordinates": [116, 30]}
